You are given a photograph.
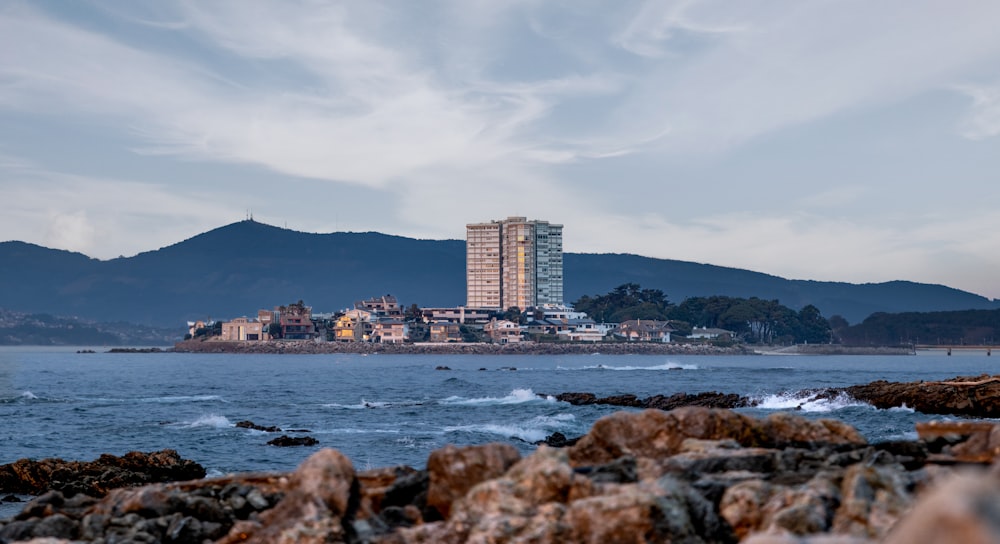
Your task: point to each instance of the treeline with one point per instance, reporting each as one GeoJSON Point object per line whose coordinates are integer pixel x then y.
{"type": "Point", "coordinates": [20, 329]}
{"type": "Point", "coordinates": [968, 327]}
{"type": "Point", "coordinates": [752, 320]}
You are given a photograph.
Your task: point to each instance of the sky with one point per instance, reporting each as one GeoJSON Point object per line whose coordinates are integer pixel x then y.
{"type": "Point", "coordinates": [835, 140]}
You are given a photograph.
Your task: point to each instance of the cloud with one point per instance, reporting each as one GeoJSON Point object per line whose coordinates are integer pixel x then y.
{"type": "Point", "coordinates": [102, 217]}
{"type": "Point", "coordinates": [984, 119]}
{"type": "Point", "coordinates": [624, 124]}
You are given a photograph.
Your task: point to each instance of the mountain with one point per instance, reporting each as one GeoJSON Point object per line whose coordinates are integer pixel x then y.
{"type": "Point", "coordinates": [239, 268]}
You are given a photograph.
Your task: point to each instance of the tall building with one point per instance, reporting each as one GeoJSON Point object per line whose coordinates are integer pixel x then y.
{"type": "Point", "coordinates": [513, 262]}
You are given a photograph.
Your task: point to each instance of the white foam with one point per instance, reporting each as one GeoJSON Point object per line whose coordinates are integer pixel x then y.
{"type": "Point", "coordinates": [533, 430]}
{"type": "Point", "coordinates": [368, 404]}
{"type": "Point", "coordinates": [506, 431]}
{"type": "Point", "coordinates": [807, 402]}
{"type": "Point", "coordinates": [665, 366]}
{"type": "Point", "coordinates": [517, 396]}
{"type": "Point", "coordinates": [182, 398]}
{"type": "Point", "coordinates": [211, 420]}
{"type": "Point", "coordinates": [28, 395]}
{"type": "Point", "coordinates": [903, 408]}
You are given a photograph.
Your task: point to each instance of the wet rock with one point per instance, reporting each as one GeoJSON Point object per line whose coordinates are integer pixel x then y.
{"type": "Point", "coordinates": [557, 440]}
{"type": "Point", "coordinates": [288, 441]}
{"type": "Point", "coordinates": [247, 424]}
{"type": "Point", "coordinates": [977, 396]}
{"type": "Point", "coordinates": [96, 477]}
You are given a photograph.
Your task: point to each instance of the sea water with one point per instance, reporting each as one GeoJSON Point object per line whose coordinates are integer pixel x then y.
{"type": "Point", "coordinates": [383, 410]}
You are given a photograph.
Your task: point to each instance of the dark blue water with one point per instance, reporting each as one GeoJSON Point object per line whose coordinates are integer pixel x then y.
{"type": "Point", "coordinates": [385, 410]}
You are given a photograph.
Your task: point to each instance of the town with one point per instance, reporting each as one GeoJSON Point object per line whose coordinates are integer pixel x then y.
{"type": "Point", "coordinates": [514, 286]}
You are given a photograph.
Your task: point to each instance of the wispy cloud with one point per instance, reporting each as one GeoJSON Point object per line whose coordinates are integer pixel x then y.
{"type": "Point", "coordinates": [640, 126]}
{"type": "Point", "coordinates": [983, 121]}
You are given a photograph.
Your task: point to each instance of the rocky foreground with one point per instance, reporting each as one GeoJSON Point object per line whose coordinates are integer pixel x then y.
{"type": "Point", "coordinates": [691, 475]}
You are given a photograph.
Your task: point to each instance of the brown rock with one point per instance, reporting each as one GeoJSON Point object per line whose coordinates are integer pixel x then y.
{"type": "Point", "coordinates": [873, 498]}
{"type": "Point", "coordinates": [962, 441]}
{"type": "Point", "coordinates": [97, 477]}
{"type": "Point", "coordinates": [321, 498]}
{"type": "Point", "coordinates": [977, 396]}
{"type": "Point", "coordinates": [453, 471]}
{"type": "Point", "coordinates": [962, 509]}
{"type": "Point", "coordinates": [657, 434]}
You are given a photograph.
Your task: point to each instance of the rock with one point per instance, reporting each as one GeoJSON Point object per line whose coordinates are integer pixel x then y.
{"type": "Point", "coordinates": [977, 396]}
{"type": "Point", "coordinates": [961, 441]}
{"type": "Point", "coordinates": [96, 477]}
{"type": "Point", "coordinates": [288, 441]}
{"type": "Point", "coordinates": [965, 508]}
{"type": "Point", "coordinates": [692, 475]}
{"type": "Point", "coordinates": [707, 400]}
{"type": "Point", "coordinates": [453, 471]}
{"type": "Point", "coordinates": [321, 498]}
{"type": "Point", "coordinates": [656, 434]}
{"type": "Point", "coordinates": [442, 367]}
{"type": "Point", "coordinates": [558, 440]}
{"type": "Point", "coordinates": [247, 424]}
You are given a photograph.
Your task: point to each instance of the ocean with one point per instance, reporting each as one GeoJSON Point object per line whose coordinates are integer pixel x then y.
{"type": "Point", "coordinates": [383, 410]}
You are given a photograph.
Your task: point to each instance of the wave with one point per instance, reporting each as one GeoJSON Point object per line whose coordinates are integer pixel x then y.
{"type": "Point", "coordinates": [664, 366]}
{"type": "Point", "coordinates": [517, 396]}
{"type": "Point", "coordinates": [182, 398]}
{"type": "Point", "coordinates": [533, 430]}
{"type": "Point", "coordinates": [369, 404]}
{"type": "Point", "coordinates": [27, 396]}
{"type": "Point", "coordinates": [903, 408]}
{"type": "Point", "coordinates": [346, 430]}
{"type": "Point", "coordinates": [211, 420]}
{"type": "Point", "coordinates": [807, 401]}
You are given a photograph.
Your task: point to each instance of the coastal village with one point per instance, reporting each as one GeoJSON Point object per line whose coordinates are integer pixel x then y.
{"type": "Point", "coordinates": [514, 285]}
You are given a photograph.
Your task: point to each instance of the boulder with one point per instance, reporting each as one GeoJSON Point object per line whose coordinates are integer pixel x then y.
{"type": "Point", "coordinates": [321, 497]}
{"type": "Point", "coordinates": [656, 434]}
{"type": "Point", "coordinates": [453, 471]}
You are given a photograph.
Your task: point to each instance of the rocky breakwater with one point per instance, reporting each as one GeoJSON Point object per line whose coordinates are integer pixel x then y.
{"type": "Point", "coordinates": [688, 475]}
{"type": "Point", "coordinates": [977, 396]}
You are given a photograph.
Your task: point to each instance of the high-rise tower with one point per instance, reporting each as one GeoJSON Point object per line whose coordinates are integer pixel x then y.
{"type": "Point", "coordinates": [513, 262]}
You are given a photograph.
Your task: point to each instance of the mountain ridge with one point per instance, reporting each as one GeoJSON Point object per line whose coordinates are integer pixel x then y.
{"type": "Point", "coordinates": [235, 269]}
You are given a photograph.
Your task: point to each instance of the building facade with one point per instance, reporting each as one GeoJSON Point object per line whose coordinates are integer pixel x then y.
{"type": "Point", "coordinates": [513, 262]}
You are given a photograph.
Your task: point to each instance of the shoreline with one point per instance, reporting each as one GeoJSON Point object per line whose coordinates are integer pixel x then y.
{"type": "Point", "coordinates": [427, 348]}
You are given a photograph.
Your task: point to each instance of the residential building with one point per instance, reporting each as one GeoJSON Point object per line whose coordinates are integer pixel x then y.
{"type": "Point", "coordinates": [514, 262]}
{"type": "Point", "coordinates": [384, 306]}
{"type": "Point", "coordinates": [645, 330]}
{"type": "Point", "coordinates": [446, 332]}
{"type": "Point", "coordinates": [389, 331]}
{"type": "Point", "coordinates": [503, 331]}
{"type": "Point", "coordinates": [243, 329]}
{"type": "Point", "coordinates": [461, 315]}
{"type": "Point", "coordinates": [353, 326]}
{"type": "Point", "coordinates": [706, 333]}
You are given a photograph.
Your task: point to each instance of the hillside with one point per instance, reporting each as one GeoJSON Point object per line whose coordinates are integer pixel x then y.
{"type": "Point", "coordinates": [236, 269]}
